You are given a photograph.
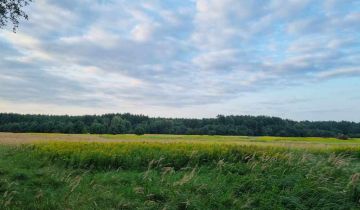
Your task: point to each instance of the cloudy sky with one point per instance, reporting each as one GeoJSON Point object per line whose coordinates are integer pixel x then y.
{"type": "Point", "coordinates": [297, 59]}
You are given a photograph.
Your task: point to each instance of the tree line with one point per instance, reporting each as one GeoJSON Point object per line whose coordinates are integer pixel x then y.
{"type": "Point", "coordinates": [141, 124]}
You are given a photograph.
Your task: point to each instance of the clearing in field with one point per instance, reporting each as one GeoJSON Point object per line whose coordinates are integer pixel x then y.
{"type": "Point", "coordinates": [58, 171]}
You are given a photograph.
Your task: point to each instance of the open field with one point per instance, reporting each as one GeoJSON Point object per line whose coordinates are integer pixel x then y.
{"type": "Point", "coordinates": [58, 171]}
{"type": "Point", "coordinates": [307, 142]}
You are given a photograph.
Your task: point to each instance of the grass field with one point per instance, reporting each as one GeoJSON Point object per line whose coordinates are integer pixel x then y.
{"type": "Point", "coordinates": [59, 171]}
{"type": "Point", "coordinates": [20, 138]}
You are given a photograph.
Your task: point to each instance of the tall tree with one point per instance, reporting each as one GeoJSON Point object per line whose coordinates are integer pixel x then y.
{"type": "Point", "coordinates": [118, 125]}
{"type": "Point", "coordinates": [139, 124]}
{"type": "Point", "coordinates": [11, 11]}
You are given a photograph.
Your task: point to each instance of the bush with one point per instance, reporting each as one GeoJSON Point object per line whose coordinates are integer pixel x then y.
{"type": "Point", "coordinates": [342, 137]}
{"type": "Point", "coordinates": [139, 131]}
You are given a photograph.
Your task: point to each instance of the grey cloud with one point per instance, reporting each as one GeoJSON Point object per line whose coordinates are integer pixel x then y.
{"type": "Point", "coordinates": [192, 54]}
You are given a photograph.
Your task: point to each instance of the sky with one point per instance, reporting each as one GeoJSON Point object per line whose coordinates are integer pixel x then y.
{"type": "Point", "coordinates": [295, 59]}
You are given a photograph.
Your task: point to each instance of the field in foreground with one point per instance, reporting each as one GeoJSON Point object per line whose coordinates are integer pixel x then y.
{"type": "Point", "coordinates": [177, 172]}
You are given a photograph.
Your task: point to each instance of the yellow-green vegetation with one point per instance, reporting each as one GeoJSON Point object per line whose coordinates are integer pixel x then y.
{"type": "Point", "coordinates": [182, 172]}
{"type": "Point", "coordinates": [291, 142]}
{"type": "Point", "coordinates": [175, 154]}
{"type": "Point", "coordinates": [225, 138]}
{"type": "Point", "coordinates": [261, 140]}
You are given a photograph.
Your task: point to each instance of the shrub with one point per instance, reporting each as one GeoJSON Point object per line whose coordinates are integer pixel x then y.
{"type": "Point", "coordinates": [139, 131]}
{"type": "Point", "coordinates": [342, 137]}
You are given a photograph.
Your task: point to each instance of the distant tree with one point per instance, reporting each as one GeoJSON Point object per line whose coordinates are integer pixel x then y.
{"type": "Point", "coordinates": [180, 129]}
{"type": "Point", "coordinates": [69, 128]}
{"type": "Point", "coordinates": [222, 125]}
{"type": "Point", "coordinates": [139, 130]}
{"type": "Point", "coordinates": [342, 137]}
{"type": "Point", "coordinates": [79, 127]}
{"type": "Point", "coordinates": [162, 126]}
{"type": "Point", "coordinates": [12, 11]}
{"type": "Point", "coordinates": [212, 133]}
{"type": "Point", "coordinates": [97, 128]}
{"type": "Point", "coordinates": [118, 125]}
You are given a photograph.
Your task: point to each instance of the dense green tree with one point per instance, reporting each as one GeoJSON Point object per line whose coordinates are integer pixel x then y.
{"type": "Point", "coordinates": [118, 125]}
{"type": "Point", "coordinates": [11, 11]}
{"type": "Point", "coordinates": [97, 128]}
{"type": "Point", "coordinates": [222, 125]}
{"type": "Point", "coordinates": [79, 127]}
{"type": "Point", "coordinates": [139, 130]}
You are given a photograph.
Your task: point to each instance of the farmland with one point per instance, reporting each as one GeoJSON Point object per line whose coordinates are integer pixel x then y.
{"type": "Point", "coordinates": [62, 171]}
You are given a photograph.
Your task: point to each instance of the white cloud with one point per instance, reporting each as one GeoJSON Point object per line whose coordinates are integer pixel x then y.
{"type": "Point", "coordinates": [188, 53]}
{"type": "Point", "coordinates": [142, 32]}
{"type": "Point", "coordinates": [29, 46]}
{"type": "Point", "coordinates": [47, 17]}
{"type": "Point", "coordinates": [94, 77]}
{"type": "Point", "coordinates": [343, 71]}
{"type": "Point", "coordinates": [96, 36]}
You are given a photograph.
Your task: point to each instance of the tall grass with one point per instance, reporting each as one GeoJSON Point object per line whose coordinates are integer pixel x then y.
{"type": "Point", "coordinates": [139, 154]}
{"type": "Point", "coordinates": [153, 175]}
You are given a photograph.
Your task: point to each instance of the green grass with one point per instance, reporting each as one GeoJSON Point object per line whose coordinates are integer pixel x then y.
{"type": "Point", "coordinates": [196, 173]}
{"type": "Point", "coordinates": [206, 138]}
{"type": "Point", "coordinates": [244, 140]}
{"type": "Point", "coordinates": [228, 138]}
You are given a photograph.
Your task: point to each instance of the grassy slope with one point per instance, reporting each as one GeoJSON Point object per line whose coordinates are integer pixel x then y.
{"type": "Point", "coordinates": [173, 176]}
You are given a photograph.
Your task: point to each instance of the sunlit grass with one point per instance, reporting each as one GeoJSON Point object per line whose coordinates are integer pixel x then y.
{"type": "Point", "coordinates": [175, 154]}
{"type": "Point", "coordinates": [230, 138]}
{"type": "Point", "coordinates": [300, 142]}
{"type": "Point", "coordinates": [173, 175]}
{"type": "Point", "coordinates": [179, 172]}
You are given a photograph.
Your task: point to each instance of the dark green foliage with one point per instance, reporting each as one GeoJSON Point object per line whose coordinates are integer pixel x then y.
{"type": "Point", "coordinates": [342, 137]}
{"type": "Point", "coordinates": [118, 125]}
{"type": "Point", "coordinates": [97, 128]}
{"type": "Point", "coordinates": [12, 11]}
{"type": "Point", "coordinates": [139, 130]}
{"type": "Point", "coordinates": [140, 124]}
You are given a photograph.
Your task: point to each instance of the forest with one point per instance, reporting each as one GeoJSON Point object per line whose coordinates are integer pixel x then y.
{"type": "Point", "coordinates": [140, 124]}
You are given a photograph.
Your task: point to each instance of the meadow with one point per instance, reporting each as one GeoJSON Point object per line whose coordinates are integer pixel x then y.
{"type": "Point", "coordinates": [60, 171]}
